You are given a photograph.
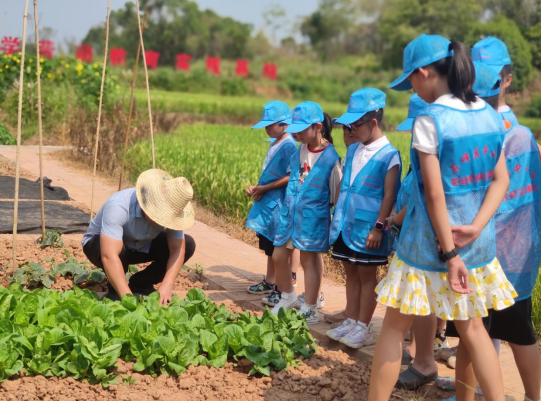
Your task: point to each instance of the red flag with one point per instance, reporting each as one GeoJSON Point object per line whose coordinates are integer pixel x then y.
{"type": "Point", "coordinates": [152, 58]}
{"type": "Point", "coordinates": [118, 56]}
{"type": "Point", "coordinates": [10, 44]}
{"type": "Point", "coordinates": [46, 48]}
{"type": "Point", "coordinates": [213, 65]}
{"type": "Point", "coordinates": [84, 53]}
{"type": "Point", "coordinates": [242, 68]}
{"type": "Point", "coordinates": [183, 61]}
{"type": "Point", "coordinates": [270, 71]}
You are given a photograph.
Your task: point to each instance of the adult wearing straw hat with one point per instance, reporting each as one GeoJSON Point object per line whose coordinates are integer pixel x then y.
{"type": "Point", "coordinates": [140, 225]}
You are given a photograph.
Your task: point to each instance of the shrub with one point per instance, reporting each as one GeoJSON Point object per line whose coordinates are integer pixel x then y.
{"type": "Point", "coordinates": [5, 137]}
{"type": "Point", "coordinates": [534, 107]}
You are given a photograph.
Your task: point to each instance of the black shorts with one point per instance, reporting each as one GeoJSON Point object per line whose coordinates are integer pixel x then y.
{"type": "Point", "coordinates": [265, 244]}
{"type": "Point", "coordinates": [341, 251]}
{"type": "Point", "coordinates": [513, 324]}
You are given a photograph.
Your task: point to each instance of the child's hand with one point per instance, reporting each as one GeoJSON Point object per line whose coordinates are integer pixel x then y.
{"type": "Point", "coordinates": [463, 235]}
{"type": "Point", "coordinates": [250, 190]}
{"type": "Point", "coordinates": [258, 192]}
{"type": "Point", "coordinates": [457, 275]}
{"type": "Point", "coordinates": [373, 241]}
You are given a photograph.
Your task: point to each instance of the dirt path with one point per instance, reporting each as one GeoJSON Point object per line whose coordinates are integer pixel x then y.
{"type": "Point", "coordinates": [231, 265]}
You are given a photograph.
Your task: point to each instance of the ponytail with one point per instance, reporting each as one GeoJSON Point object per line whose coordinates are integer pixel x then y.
{"type": "Point", "coordinates": [327, 127]}
{"type": "Point", "coordinates": [459, 71]}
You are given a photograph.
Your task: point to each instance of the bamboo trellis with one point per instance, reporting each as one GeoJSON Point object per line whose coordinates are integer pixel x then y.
{"type": "Point", "coordinates": [18, 157]}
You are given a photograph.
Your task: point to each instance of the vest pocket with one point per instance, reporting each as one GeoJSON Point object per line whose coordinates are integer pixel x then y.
{"type": "Point", "coordinates": [284, 213]}
{"type": "Point", "coordinates": [363, 224]}
{"type": "Point", "coordinates": [315, 223]}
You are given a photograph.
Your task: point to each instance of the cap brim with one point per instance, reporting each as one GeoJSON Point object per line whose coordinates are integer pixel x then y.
{"type": "Point", "coordinates": [294, 128]}
{"type": "Point", "coordinates": [406, 125]}
{"type": "Point", "coordinates": [270, 140]}
{"type": "Point", "coordinates": [401, 83]}
{"type": "Point", "coordinates": [287, 121]}
{"type": "Point", "coordinates": [496, 68]}
{"type": "Point", "coordinates": [349, 118]}
{"type": "Point", "coordinates": [263, 124]}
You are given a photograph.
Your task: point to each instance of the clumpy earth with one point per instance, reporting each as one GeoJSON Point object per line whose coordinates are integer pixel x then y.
{"type": "Point", "coordinates": [328, 375]}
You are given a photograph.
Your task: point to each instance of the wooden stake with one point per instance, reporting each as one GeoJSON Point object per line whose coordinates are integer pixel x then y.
{"type": "Point", "coordinates": [38, 55]}
{"type": "Point", "coordinates": [18, 157]}
{"type": "Point", "coordinates": [146, 78]}
{"type": "Point", "coordinates": [128, 127]}
{"type": "Point", "coordinates": [99, 109]}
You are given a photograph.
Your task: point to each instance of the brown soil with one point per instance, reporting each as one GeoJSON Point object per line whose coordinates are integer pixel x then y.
{"type": "Point", "coordinates": [329, 375]}
{"type": "Point", "coordinates": [7, 167]}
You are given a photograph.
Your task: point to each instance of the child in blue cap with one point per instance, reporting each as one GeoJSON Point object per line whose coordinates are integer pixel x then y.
{"type": "Point", "coordinates": [269, 193]}
{"type": "Point", "coordinates": [518, 222]}
{"type": "Point", "coordinates": [305, 216]}
{"type": "Point", "coordinates": [459, 177]}
{"type": "Point", "coordinates": [359, 234]}
{"type": "Point", "coordinates": [493, 52]}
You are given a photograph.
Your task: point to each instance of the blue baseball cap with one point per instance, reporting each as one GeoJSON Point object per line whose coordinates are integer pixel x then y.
{"type": "Point", "coordinates": [361, 102]}
{"type": "Point", "coordinates": [421, 52]}
{"type": "Point", "coordinates": [304, 115]}
{"type": "Point", "coordinates": [492, 52]}
{"type": "Point", "coordinates": [273, 112]}
{"type": "Point", "coordinates": [486, 79]}
{"type": "Point", "coordinates": [416, 106]}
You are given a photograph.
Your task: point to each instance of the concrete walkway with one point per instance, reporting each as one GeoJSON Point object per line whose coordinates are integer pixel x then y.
{"type": "Point", "coordinates": [231, 264]}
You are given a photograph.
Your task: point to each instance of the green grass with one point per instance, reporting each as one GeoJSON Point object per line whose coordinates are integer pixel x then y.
{"type": "Point", "coordinates": [221, 161]}
{"type": "Point", "coordinates": [233, 107]}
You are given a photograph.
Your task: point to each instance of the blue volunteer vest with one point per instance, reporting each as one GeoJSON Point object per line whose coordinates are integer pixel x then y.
{"type": "Point", "coordinates": [265, 213]}
{"type": "Point", "coordinates": [358, 205]}
{"type": "Point", "coordinates": [405, 192]}
{"type": "Point", "coordinates": [305, 216]}
{"type": "Point", "coordinates": [518, 220]}
{"type": "Point", "coordinates": [470, 143]}
{"type": "Point", "coordinates": [509, 116]}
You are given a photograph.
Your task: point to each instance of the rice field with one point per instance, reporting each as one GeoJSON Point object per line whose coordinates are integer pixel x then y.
{"type": "Point", "coordinates": [221, 161]}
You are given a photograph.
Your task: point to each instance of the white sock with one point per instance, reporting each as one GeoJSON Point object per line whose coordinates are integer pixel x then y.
{"type": "Point", "coordinates": [289, 295]}
{"type": "Point", "coordinates": [308, 306]}
{"type": "Point", "coordinates": [363, 325]}
{"type": "Point", "coordinates": [350, 321]}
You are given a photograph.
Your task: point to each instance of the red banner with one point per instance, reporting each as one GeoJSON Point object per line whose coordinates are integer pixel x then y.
{"type": "Point", "coordinates": [10, 44]}
{"type": "Point", "coordinates": [46, 48]}
{"type": "Point", "coordinates": [118, 56]}
{"type": "Point", "coordinates": [84, 53]}
{"type": "Point", "coordinates": [213, 65]}
{"type": "Point", "coordinates": [242, 68]}
{"type": "Point", "coordinates": [152, 58]}
{"type": "Point", "coordinates": [183, 62]}
{"type": "Point", "coordinates": [270, 71]}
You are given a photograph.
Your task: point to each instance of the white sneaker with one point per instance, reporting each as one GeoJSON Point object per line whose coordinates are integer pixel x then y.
{"type": "Point", "coordinates": [311, 314]}
{"type": "Point", "coordinates": [320, 300]}
{"type": "Point", "coordinates": [360, 336]}
{"type": "Point", "coordinates": [287, 301]}
{"type": "Point", "coordinates": [341, 331]}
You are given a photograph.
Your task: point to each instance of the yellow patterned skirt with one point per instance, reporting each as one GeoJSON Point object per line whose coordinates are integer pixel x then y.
{"type": "Point", "coordinates": [422, 292]}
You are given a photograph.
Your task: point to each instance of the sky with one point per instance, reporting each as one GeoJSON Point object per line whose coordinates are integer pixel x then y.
{"type": "Point", "coordinates": [73, 18]}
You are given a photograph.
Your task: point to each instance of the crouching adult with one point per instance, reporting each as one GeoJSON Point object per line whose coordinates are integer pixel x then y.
{"type": "Point", "coordinates": [140, 225]}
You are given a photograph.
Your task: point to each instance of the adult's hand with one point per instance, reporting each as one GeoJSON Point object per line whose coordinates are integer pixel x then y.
{"type": "Point", "coordinates": [110, 251]}
{"type": "Point", "coordinates": [166, 292]}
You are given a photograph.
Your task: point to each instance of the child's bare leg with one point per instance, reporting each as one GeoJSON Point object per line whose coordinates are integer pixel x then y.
{"type": "Point", "coordinates": [270, 278]}
{"type": "Point", "coordinates": [295, 260]}
{"type": "Point", "coordinates": [386, 363]}
{"type": "Point", "coordinates": [424, 330]}
{"type": "Point", "coordinates": [312, 263]}
{"type": "Point", "coordinates": [483, 356]}
{"type": "Point", "coordinates": [412, 347]}
{"type": "Point", "coordinates": [528, 362]}
{"type": "Point", "coordinates": [367, 276]}
{"type": "Point", "coordinates": [441, 325]}
{"type": "Point", "coordinates": [465, 381]}
{"type": "Point", "coordinates": [353, 290]}
{"type": "Point", "coordinates": [280, 258]}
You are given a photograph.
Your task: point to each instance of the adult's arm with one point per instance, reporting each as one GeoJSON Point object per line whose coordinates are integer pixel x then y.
{"type": "Point", "coordinates": [174, 264]}
{"type": "Point", "coordinates": [110, 251]}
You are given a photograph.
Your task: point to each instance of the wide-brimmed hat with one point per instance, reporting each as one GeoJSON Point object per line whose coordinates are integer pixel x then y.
{"type": "Point", "coordinates": [166, 200]}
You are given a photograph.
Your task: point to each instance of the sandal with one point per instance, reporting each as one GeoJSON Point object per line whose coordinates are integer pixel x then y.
{"type": "Point", "coordinates": [407, 359]}
{"type": "Point", "coordinates": [446, 383]}
{"type": "Point", "coordinates": [411, 378]}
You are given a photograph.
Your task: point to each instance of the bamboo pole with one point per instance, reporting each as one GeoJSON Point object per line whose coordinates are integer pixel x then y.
{"type": "Point", "coordinates": [18, 157]}
{"type": "Point", "coordinates": [40, 130]}
{"type": "Point", "coordinates": [147, 85]}
{"type": "Point", "coordinates": [99, 108]}
{"type": "Point", "coordinates": [128, 127]}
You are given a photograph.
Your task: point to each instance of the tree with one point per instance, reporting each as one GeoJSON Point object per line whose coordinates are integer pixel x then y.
{"type": "Point", "coordinates": [533, 36]}
{"type": "Point", "coordinates": [525, 13]}
{"type": "Point", "coordinates": [402, 21]}
{"type": "Point", "coordinates": [505, 29]}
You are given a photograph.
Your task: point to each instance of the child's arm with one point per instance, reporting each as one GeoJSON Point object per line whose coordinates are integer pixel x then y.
{"type": "Point", "coordinates": [398, 219]}
{"type": "Point", "coordinates": [373, 241]}
{"type": "Point", "coordinates": [464, 235]}
{"type": "Point", "coordinates": [337, 195]}
{"type": "Point", "coordinates": [259, 190]}
{"type": "Point", "coordinates": [437, 211]}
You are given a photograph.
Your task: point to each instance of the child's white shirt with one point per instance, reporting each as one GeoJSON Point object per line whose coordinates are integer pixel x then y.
{"type": "Point", "coordinates": [425, 131]}
{"type": "Point", "coordinates": [363, 154]}
{"type": "Point", "coordinates": [308, 158]}
{"type": "Point", "coordinates": [503, 109]}
{"type": "Point", "coordinates": [273, 148]}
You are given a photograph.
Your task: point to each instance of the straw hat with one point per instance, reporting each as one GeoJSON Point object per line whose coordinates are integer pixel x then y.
{"type": "Point", "coordinates": [165, 199]}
